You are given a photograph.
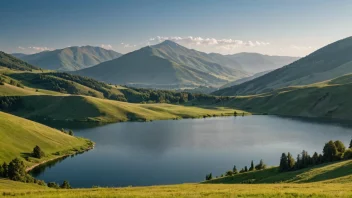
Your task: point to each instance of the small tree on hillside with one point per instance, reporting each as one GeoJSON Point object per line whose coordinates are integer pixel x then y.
{"type": "Point", "coordinates": [315, 158]}
{"type": "Point", "coordinates": [291, 161]}
{"type": "Point", "coordinates": [260, 166]}
{"type": "Point", "coordinates": [340, 146]}
{"type": "Point", "coordinates": [330, 151]}
{"type": "Point", "coordinates": [350, 144]}
{"type": "Point", "coordinates": [234, 170]}
{"type": "Point", "coordinates": [65, 185]}
{"type": "Point", "coordinates": [252, 166]}
{"type": "Point", "coordinates": [4, 170]}
{"type": "Point", "coordinates": [209, 176]}
{"type": "Point", "coordinates": [70, 132]}
{"type": "Point", "coordinates": [37, 152]}
{"type": "Point", "coordinates": [17, 170]}
{"type": "Point", "coordinates": [245, 169]}
{"type": "Point", "coordinates": [283, 163]}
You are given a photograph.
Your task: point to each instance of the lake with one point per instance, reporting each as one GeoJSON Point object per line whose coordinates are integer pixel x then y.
{"type": "Point", "coordinates": [184, 151]}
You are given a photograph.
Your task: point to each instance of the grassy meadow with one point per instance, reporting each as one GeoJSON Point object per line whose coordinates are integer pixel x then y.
{"type": "Point", "coordinates": [19, 136]}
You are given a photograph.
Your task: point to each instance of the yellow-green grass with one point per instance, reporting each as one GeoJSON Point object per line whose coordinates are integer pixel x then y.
{"type": "Point", "coordinates": [19, 136]}
{"type": "Point", "coordinates": [11, 90]}
{"type": "Point", "coordinates": [85, 108]}
{"type": "Point", "coordinates": [340, 172]}
{"type": "Point", "coordinates": [14, 189]}
{"type": "Point", "coordinates": [328, 99]}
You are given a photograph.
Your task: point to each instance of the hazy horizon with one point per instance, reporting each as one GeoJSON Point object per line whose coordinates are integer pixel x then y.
{"type": "Point", "coordinates": [226, 27]}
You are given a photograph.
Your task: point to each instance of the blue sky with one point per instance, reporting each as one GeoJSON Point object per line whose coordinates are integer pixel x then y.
{"type": "Point", "coordinates": [280, 27]}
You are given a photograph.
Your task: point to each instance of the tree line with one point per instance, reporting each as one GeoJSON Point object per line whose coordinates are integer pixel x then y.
{"type": "Point", "coordinates": [332, 151]}
{"type": "Point", "coordinates": [16, 171]}
{"type": "Point", "coordinates": [234, 171]}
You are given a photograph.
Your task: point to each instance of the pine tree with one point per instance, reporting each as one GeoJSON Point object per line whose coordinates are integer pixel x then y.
{"type": "Point", "coordinates": [315, 158]}
{"type": "Point", "coordinates": [252, 166]}
{"type": "Point", "coordinates": [283, 163]}
{"type": "Point", "coordinates": [350, 144]}
{"type": "Point", "coordinates": [245, 169]}
{"type": "Point", "coordinates": [234, 170]}
{"type": "Point", "coordinates": [5, 170]}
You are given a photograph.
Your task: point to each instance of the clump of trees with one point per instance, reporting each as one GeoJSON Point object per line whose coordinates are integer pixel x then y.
{"type": "Point", "coordinates": [234, 170]}
{"type": "Point", "coordinates": [37, 152]}
{"type": "Point", "coordinates": [332, 151]}
{"type": "Point", "coordinates": [16, 171]}
{"type": "Point", "coordinates": [69, 132]}
{"type": "Point", "coordinates": [10, 103]}
{"type": "Point", "coordinates": [209, 176]}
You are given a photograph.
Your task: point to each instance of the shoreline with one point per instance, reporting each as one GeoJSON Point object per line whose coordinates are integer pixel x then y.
{"type": "Point", "coordinates": [55, 158]}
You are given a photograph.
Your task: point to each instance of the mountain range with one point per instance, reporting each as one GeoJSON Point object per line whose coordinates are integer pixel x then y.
{"type": "Point", "coordinates": [169, 65]}
{"type": "Point", "coordinates": [331, 61]}
{"type": "Point", "coordinates": [69, 59]}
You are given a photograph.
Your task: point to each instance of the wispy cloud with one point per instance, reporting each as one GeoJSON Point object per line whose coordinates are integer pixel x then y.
{"type": "Point", "coordinates": [303, 48]}
{"type": "Point", "coordinates": [126, 45]}
{"type": "Point", "coordinates": [21, 48]}
{"type": "Point", "coordinates": [217, 43]}
{"type": "Point", "coordinates": [40, 49]}
{"type": "Point", "coordinates": [106, 46]}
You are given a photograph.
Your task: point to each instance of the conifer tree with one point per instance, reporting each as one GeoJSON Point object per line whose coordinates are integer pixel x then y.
{"type": "Point", "coordinates": [283, 163]}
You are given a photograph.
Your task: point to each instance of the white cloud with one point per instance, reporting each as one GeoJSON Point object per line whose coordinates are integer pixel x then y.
{"type": "Point", "coordinates": [21, 48]}
{"type": "Point", "coordinates": [106, 46]}
{"type": "Point", "coordinates": [40, 49]}
{"type": "Point", "coordinates": [303, 48]}
{"type": "Point", "coordinates": [126, 45]}
{"type": "Point", "coordinates": [218, 43]}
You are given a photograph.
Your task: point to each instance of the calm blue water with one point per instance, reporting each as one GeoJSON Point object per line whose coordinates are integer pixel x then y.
{"type": "Point", "coordinates": [183, 151]}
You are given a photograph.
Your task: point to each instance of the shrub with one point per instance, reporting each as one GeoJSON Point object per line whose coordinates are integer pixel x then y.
{"type": "Point", "coordinates": [17, 170]}
{"type": "Point", "coordinates": [53, 185]}
{"type": "Point", "coordinates": [260, 166]}
{"type": "Point", "coordinates": [37, 152]}
{"type": "Point", "coordinates": [229, 173]}
{"type": "Point", "coordinates": [65, 185]}
{"type": "Point", "coordinates": [348, 154]}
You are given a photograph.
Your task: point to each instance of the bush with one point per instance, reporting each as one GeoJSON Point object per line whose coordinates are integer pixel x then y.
{"type": "Point", "coordinates": [17, 170]}
{"type": "Point", "coordinates": [37, 152]}
{"type": "Point", "coordinates": [348, 154]}
{"type": "Point", "coordinates": [65, 185]}
{"type": "Point", "coordinates": [53, 185]}
{"type": "Point", "coordinates": [229, 173]}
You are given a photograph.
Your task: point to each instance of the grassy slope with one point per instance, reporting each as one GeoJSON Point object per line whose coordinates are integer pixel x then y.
{"type": "Point", "coordinates": [19, 136]}
{"type": "Point", "coordinates": [84, 108]}
{"type": "Point", "coordinates": [328, 99]}
{"type": "Point", "coordinates": [340, 172]}
{"type": "Point", "coordinates": [328, 180]}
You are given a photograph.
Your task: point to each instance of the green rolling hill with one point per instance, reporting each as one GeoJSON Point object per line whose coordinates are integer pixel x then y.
{"type": "Point", "coordinates": [329, 62]}
{"type": "Point", "coordinates": [70, 59]}
{"type": "Point", "coordinates": [19, 136]}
